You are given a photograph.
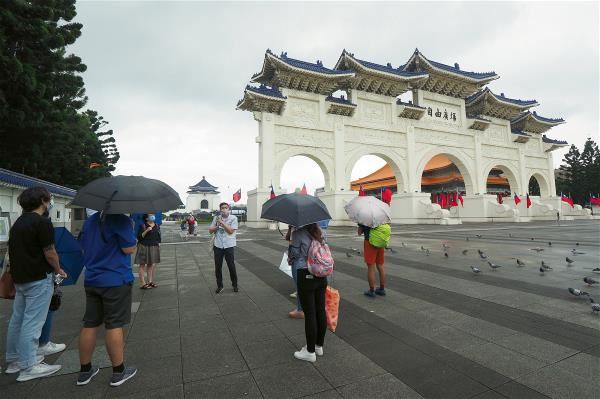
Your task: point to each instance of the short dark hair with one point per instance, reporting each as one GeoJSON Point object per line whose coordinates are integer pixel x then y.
{"type": "Point", "coordinates": [224, 203]}
{"type": "Point", "coordinates": [32, 198]}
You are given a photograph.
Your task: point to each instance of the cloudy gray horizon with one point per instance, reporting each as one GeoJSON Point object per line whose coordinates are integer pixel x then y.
{"type": "Point", "coordinates": [167, 76]}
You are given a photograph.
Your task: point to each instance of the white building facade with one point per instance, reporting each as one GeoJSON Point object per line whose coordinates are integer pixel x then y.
{"type": "Point", "coordinates": [202, 196]}
{"type": "Point", "coordinates": [452, 113]}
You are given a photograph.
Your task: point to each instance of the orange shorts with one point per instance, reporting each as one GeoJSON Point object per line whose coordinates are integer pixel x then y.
{"type": "Point", "coordinates": [373, 256]}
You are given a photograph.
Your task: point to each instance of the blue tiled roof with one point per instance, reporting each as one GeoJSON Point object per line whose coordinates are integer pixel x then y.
{"type": "Point", "coordinates": [455, 69]}
{"type": "Point", "coordinates": [308, 66]}
{"type": "Point", "coordinates": [203, 185]}
{"type": "Point", "coordinates": [409, 104]}
{"type": "Point", "coordinates": [20, 180]}
{"type": "Point", "coordinates": [343, 100]}
{"type": "Point", "coordinates": [552, 141]}
{"type": "Point", "coordinates": [389, 69]}
{"type": "Point", "coordinates": [547, 120]}
{"type": "Point", "coordinates": [267, 91]}
{"type": "Point", "coordinates": [500, 98]}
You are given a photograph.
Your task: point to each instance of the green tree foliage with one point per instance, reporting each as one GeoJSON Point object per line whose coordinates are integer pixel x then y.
{"type": "Point", "coordinates": [43, 130]}
{"type": "Point", "coordinates": [580, 172]}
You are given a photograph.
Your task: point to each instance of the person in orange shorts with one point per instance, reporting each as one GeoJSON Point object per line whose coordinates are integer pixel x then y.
{"type": "Point", "coordinates": [374, 257]}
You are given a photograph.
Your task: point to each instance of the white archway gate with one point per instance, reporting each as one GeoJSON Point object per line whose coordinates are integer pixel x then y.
{"type": "Point", "coordinates": [451, 114]}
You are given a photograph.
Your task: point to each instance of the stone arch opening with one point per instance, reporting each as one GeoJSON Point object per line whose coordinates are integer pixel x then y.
{"type": "Point", "coordinates": [445, 172]}
{"type": "Point", "coordinates": [300, 170]}
{"type": "Point", "coordinates": [204, 204]}
{"type": "Point", "coordinates": [375, 170]}
{"type": "Point", "coordinates": [501, 180]}
{"type": "Point", "coordinates": [538, 185]}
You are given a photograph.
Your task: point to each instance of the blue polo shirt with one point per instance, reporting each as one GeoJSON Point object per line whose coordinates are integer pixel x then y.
{"type": "Point", "coordinates": [105, 264]}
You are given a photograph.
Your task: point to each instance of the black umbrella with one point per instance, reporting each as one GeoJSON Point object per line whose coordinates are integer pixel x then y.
{"type": "Point", "coordinates": [295, 209]}
{"type": "Point", "coordinates": [127, 194]}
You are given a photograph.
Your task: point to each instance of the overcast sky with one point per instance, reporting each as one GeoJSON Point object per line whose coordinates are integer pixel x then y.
{"type": "Point", "coordinates": [167, 76]}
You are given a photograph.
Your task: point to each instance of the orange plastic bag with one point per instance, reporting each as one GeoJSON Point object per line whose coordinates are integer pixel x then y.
{"type": "Point", "coordinates": [332, 305]}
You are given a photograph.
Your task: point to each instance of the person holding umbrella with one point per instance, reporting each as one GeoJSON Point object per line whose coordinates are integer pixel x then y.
{"type": "Point", "coordinates": [148, 250]}
{"type": "Point", "coordinates": [108, 241]}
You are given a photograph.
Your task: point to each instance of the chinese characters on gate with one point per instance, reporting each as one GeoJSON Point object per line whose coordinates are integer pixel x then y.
{"type": "Point", "coordinates": [442, 115]}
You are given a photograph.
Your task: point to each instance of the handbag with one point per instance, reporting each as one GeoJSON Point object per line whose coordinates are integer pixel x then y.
{"type": "Point", "coordinates": [56, 299]}
{"type": "Point", "coordinates": [332, 305]}
{"type": "Point", "coordinates": [284, 266]}
{"type": "Point", "coordinates": [7, 284]}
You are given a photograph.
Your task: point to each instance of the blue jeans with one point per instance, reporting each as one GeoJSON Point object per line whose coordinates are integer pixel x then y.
{"type": "Point", "coordinates": [47, 329]}
{"type": "Point", "coordinates": [295, 275]}
{"type": "Point", "coordinates": [30, 310]}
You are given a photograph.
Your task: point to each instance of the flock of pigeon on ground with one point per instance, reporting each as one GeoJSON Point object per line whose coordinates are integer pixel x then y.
{"type": "Point", "coordinates": [544, 267]}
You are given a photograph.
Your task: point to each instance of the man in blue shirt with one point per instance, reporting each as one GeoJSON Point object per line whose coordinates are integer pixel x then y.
{"type": "Point", "coordinates": [108, 242]}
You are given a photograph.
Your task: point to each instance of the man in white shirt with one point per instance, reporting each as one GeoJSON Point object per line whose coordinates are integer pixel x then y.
{"type": "Point", "coordinates": [224, 226]}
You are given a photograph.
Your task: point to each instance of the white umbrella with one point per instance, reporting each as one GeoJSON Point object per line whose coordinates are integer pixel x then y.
{"type": "Point", "coordinates": [368, 211]}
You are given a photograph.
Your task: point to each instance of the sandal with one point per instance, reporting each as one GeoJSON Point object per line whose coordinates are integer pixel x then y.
{"type": "Point", "coordinates": [145, 286]}
{"type": "Point", "coordinates": [152, 285]}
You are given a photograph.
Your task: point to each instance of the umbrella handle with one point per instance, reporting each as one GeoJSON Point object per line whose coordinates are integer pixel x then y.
{"type": "Point", "coordinates": [279, 229]}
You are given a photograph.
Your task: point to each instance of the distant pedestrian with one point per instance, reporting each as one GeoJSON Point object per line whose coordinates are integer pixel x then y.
{"type": "Point", "coordinates": [148, 251]}
{"type": "Point", "coordinates": [558, 217]}
{"type": "Point", "coordinates": [297, 313]}
{"type": "Point", "coordinates": [311, 291]}
{"type": "Point", "coordinates": [224, 226]}
{"type": "Point", "coordinates": [108, 241]}
{"type": "Point", "coordinates": [33, 258]}
{"type": "Point", "coordinates": [191, 221]}
{"type": "Point", "coordinates": [374, 257]}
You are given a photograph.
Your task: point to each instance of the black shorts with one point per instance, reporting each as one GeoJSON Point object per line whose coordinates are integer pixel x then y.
{"type": "Point", "coordinates": [108, 305]}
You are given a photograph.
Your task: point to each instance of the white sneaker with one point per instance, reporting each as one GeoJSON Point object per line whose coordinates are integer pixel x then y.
{"type": "Point", "coordinates": [51, 348]}
{"type": "Point", "coordinates": [319, 350]}
{"type": "Point", "coordinates": [13, 368]}
{"type": "Point", "coordinates": [293, 295]}
{"type": "Point", "coordinates": [304, 354]}
{"type": "Point", "coordinates": [38, 371]}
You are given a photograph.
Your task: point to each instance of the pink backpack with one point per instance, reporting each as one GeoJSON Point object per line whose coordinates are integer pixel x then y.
{"type": "Point", "coordinates": [320, 260]}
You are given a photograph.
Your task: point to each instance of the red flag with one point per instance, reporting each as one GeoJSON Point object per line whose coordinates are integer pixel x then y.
{"type": "Point", "coordinates": [386, 196]}
{"type": "Point", "coordinates": [303, 191]}
{"type": "Point", "coordinates": [528, 201]}
{"type": "Point", "coordinates": [272, 193]}
{"type": "Point", "coordinates": [499, 198]}
{"type": "Point", "coordinates": [453, 198]}
{"type": "Point", "coordinates": [595, 201]}
{"type": "Point", "coordinates": [567, 200]}
{"type": "Point", "coordinates": [237, 195]}
{"type": "Point", "coordinates": [444, 200]}
{"type": "Point", "coordinates": [517, 199]}
{"type": "Point", "coordinates": [460, 198]}
{"type": "Point", "coordinates": [361, 192]}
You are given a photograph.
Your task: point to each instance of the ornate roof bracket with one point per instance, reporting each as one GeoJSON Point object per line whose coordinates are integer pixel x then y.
{"type": "Point", "coordinates": [478, 123]}
{"type": "Point", "coordinates": [551, 144]}
{"type": "Point", "coordinates": [498, 106]}
{"type": "Point", "coordinates": [410, 110]}
{"type": "Point", "coordinates": [531, 122]}
{"type": "Point", "coordinates": [340, 106]}
{"type": "Point", "coordinates": [262, 99]}
{"type": "Point", "coordinates": [520, 137]}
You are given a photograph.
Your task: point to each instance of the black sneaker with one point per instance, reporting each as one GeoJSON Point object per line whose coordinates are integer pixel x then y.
{"type": "Point", "coordinates": [86, 376]}
{"type": "Point", "coordinates": [219, 290]}
{"type": "Point", "coordinates": [119, 378]}
{"type": "Point", "coordinates": [235, 289]}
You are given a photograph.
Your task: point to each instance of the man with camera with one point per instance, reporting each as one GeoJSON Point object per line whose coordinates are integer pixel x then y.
{"type": "Point", "coordinates": [224, 226]}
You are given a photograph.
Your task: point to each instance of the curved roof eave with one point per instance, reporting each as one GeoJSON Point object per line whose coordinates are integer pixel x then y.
{"type": "Point", "coordinates": [280, 61]}
{"type": "Point", "coordinates": [447, 69]}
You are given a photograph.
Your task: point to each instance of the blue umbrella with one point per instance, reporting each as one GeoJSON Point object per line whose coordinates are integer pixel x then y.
{"type": "Point", "coordinates": [70, 254]}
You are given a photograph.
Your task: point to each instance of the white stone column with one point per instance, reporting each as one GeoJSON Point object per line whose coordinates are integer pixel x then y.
{"type": "Point", "coordinates": [266, 149]}
{"type": "Point", "coordinates": [338, 180]}
{"type": "Point", "coordinates": [479, 179]}
{"type": "Point", "coordinates": [414, 182]}
{"type": "Point", "coordinates": [551, 179]}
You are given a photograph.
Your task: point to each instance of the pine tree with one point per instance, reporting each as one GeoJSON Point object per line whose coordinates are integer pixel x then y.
{"type": "Point", "coordinates": [42, 129]}
{"type": "Point", "coordinates": [581, 172]}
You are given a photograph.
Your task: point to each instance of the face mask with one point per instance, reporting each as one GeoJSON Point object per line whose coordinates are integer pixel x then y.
{"type": "Point", "coordinates": [224, 214]}
{"type": "Point", "coordinates": [151, 218]}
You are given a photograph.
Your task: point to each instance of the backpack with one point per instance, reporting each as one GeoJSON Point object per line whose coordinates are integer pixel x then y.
{"type": "Point", "coordinates": [319, 260]}
{"type": "Point", "coordinates": [379, 237]}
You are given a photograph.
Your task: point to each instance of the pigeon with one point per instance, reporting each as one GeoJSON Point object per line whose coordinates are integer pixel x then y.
{"type": "Point", "coordinates": [576, 244]}
{"type": "Point", "coordinates": [532, 238]}
{"type": "Point", "coordinates": [549, 243]}
{"type": "Point", "coordinates": [475, 270]}
{"type": "Point", "coordinates": [464, 252]}
{"type": "Point", "coordinates": [422, 248]}
{"type": "Point", "coordinates": [358, 253]}
{"type": "Point", "coordinates": [348, 254]}
{"type": "Point", "coordinates": [478, 235]}
{"type": "Point", "coordinates": [596, 270]}
{"type": "Point", "coordinates": [576, 252]}
{"type": "Point", "coordinates": [537, 249]}
{"type": "Point", "coordinates": [404, 245]}
{"type": "Point", "coordinates": [446, 254]}
{"type": "Point", "coordinates": [541, 270]}
{"type": "Point", "coordinates": [482, 255]}
{"type": "Point", "coordinates": [493, 265]}
{"type": "Point", "coordinates": [353, 249]}
{"type": "Point", "coordinates": [576, 292]}
{"type": "Point", "coordinates": [520, 263]}
{"type": "Point", "coordinates": [590, 281]}
{"type": "Point", "coordinates": [569, 261]}
{"type": "Point", "coordinates": [510, 235]}
{"type": "Point", "coordinates": [427, 252]}
{"type": "Point", "coordinates": [392, 250]}
{"type": "Point", "coordinates": [479, 251]}
{"type": "Point", "coordinates": [545, 266]}
{"type": "Point", "coordinates": [595, 306]}
{"type": "Point", "coordinates": [445, 246]}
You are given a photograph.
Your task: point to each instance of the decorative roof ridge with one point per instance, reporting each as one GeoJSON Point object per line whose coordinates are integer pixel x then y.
{"type": "Point", "coordinates": [538, 118]}
{"type": "Point", "coordinates": [267, 91]}
{"type": "Point", "coordinates": [21, 178]}
{"type": "Point", "coordinates": [339, 100]}
{"type": "Point", "coordinates": [452, 69]}
{"type": "Point", "coordinates": [501, 98]}
{"type": "Point", "coordinates": [409, 104]}
{"type": "Point", "coordinates": [388, 68]}
{"type": "Point", "coordinates": [552, 141]}
{"type": "Point", "coordinates": [301, 64]}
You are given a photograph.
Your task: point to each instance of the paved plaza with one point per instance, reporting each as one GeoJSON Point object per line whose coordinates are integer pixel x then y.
{"type": "Point", "coordinates": [441, 332]}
